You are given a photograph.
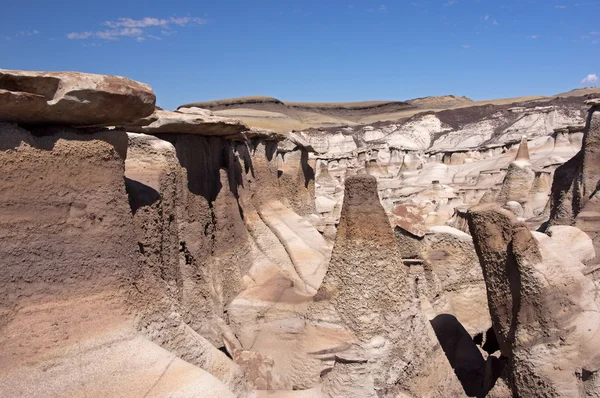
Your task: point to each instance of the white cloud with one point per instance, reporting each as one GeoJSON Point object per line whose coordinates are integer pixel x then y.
{"type": "Point", "coordinates": [136, 23]}
{"type": "Point", "coordinates": [534, 37]}
{"type": "Point", "coordinates": [136, 28]}
{"type": "Point", "coordinates": [466, 46]}
{"type": "Point", "coordinates": [450, 3]}
{"type": "Point", "coordinates": [592, 78]}
{"type": "Point", "coordinates": [383, 8]}
{"type": "Point", "coordinates": [486, 17]}
{"type": "Point", "coordinates": [80, 35]}
{"type": "Point", "coordinates": [114, 34]}
{"type": "Point", "coordinates": [495, 22]}
{"type": "Point", "coordinates": [559, 6]}
{"type": "Point", "coordinates": [187, 20]}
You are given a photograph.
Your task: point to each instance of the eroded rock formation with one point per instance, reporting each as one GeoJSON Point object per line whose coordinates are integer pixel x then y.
{"type": "Point", "coordinates": [544, 310]}
{"type": "Point", "coordinates": [575, 187]}
{"type": "Point", "coordinates": [188, 254]}
{"type": "Point", "coordinates": [367, 287]}
{"type": "Point", "coordinates": [72, 98]}
{"type": "Point", "coordinates": [73, 285]}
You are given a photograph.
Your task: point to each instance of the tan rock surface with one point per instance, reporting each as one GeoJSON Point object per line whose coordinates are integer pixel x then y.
{"type": "Point", "coordinates": [544, 310]}
{"type": "Point", "coordinates": [366, 284]}
{"type": "Point", "coordinates": [71, 267]}
{"type": "Point", "coordinates": [202, 123]}
{"type": "Point", "coordinates": [72, 98]}
{"type": "Point", "coordinates": [575, 199]}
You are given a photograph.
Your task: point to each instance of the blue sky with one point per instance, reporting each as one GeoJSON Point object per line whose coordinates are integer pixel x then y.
{"type": "Point", "coordinates": [327, 50]}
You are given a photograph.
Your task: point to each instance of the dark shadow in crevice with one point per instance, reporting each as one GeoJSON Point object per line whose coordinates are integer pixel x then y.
{"type": "Point", "coordinates": [514, 278]}
{"type": "Point", "coordinates": [140, 195]}
{"type": "Point", "coordinates": [224, 351]}
{"type": "Point", "coordinates": [491, 344]}
{"type": "Point", "coordinates": [203, 158]}
{"type": "Point", "coordinates": [309, 172]}
{"type": "Point", "coordinates": [234, 171]}
{"type": "Point", "coordinates": [244, 154]}
{"type": "Point", "coordinates": [271, 149]}
{"type": "Point", "coordinates": [462, 353]}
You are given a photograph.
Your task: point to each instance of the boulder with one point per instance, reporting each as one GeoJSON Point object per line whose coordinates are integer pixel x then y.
{"type": "Point", "coordinates": [161, 122]}
{"type": "Point", "coordinates": [409, 218]}
{"type": "Point", "coordinates": [72, 98]}
{"type": "Point", "coordinates": [573, 240]}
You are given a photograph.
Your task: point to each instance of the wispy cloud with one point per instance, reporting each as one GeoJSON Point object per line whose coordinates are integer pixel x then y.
{"type": "Point", "coordinates": [488, 19]}
{"type": "Point", "coordinates": [533, 37]}
{"type": "Point", "coordinates": [137, 29]}
{"type": "Point", "coordinates": [466, 46]}
{"type": "Point", "coordinates": [560, 6]}
{"type": "Point", "coordinates": [27, 33]}
{"type": "Point", "coordinates": [114, 34]}
{"type": "Point", "coordinates": [21, 33]}
{"type": "Point", "coordinates": [80, 35]}
{"type": "Point", "coordinates": [591, 78]}
{"type": "Point", "coordinates": [450, 3]}
{"type": "Point", "coordinates": [383, 7]}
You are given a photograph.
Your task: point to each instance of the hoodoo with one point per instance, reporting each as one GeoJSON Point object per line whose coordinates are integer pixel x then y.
{"type": "Point", "coordinates": [435, 247]}
{"type": "Point", "coordinates": [523, 152]}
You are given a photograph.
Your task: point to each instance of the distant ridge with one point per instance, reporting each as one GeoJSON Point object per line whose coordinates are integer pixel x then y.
{"type": "Point", "coordinates": [264, 100]}
{"type": "Point", "coordinates": [274, 114]}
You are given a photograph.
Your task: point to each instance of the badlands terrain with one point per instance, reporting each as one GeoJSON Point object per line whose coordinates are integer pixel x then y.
{"type": "Point", "coordinates": [436, 247]}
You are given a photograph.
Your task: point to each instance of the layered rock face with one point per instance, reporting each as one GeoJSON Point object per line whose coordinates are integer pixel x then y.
{"type": "Point", "coordinates": [575, 186]}
{"type": "Point", "coordinates": [445, 161]}
{"type": "Point", "coordinates": [73, 284]}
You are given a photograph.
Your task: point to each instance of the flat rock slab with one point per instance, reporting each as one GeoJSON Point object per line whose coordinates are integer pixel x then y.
{"type": "Point", "coordinates": [593, 102]}
{"type": "Point", "coordinates": [408, 217]}
{"type": "Point", "coordinates": [72, 98]}
{"type": "Point", "coordinates": [164, 122]}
